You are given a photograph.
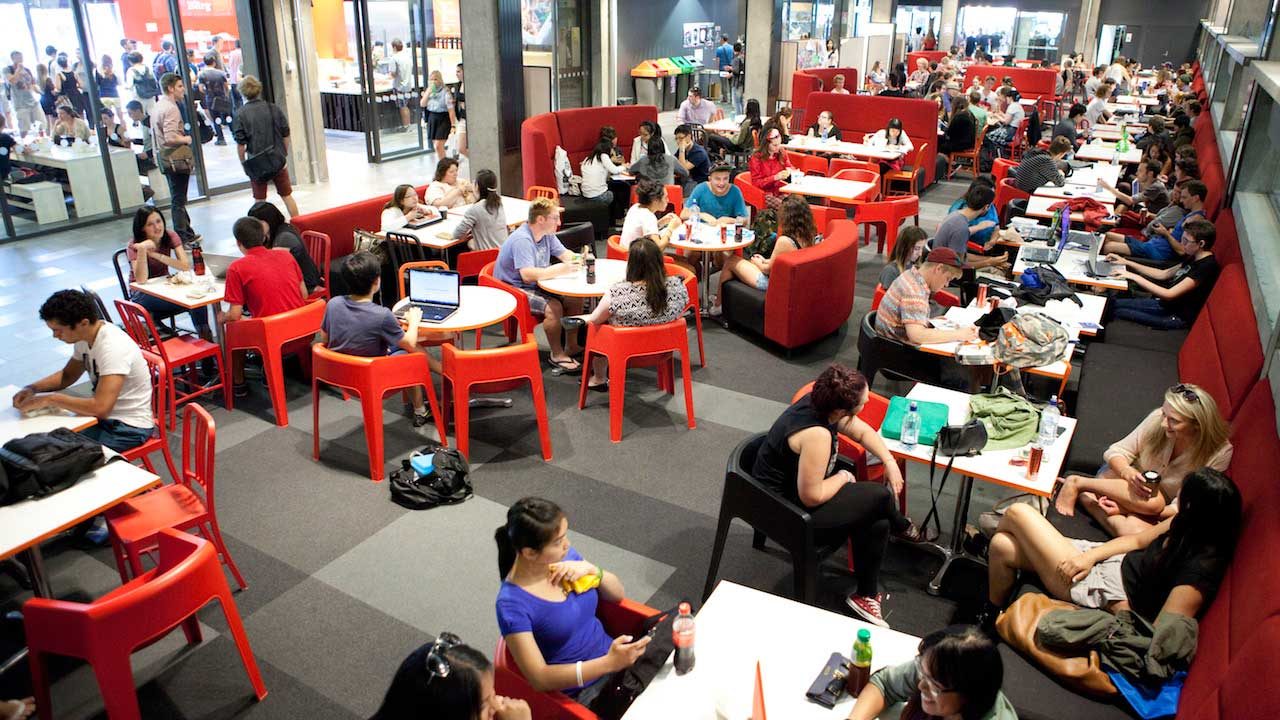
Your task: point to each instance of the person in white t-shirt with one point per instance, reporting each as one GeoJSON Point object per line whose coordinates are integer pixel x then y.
{"type": "Point", "coordinates": [596, 170]}
{"type": "Point", "coordinates": [119, 375]}
{"type": "Point", "coordinates": [642, 219]}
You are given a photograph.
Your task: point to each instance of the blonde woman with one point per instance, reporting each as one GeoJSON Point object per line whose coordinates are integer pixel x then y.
{"type": "Point", "coordinates": [1185, 433]}
{"type": "Point", "coordinates": [437, 102]}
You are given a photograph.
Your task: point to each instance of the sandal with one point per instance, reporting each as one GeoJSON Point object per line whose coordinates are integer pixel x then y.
{"type": "Point", "coordinates": [563, 367]}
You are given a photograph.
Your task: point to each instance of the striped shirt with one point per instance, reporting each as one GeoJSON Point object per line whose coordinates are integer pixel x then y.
{"type": "Point", "coordinates": [1036, 170]}
{"type": "Point", "coordinates": [906, 302]}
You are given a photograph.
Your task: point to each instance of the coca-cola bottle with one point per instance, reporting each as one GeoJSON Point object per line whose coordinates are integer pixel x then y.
{"type": "Point", "coordinates": [589, 262]}
{"type": "Point", "coordinates": [197, 258]}
{"type": "Point", "coordinates": [682, 635]}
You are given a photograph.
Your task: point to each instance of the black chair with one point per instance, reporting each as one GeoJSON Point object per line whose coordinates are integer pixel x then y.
{"type": "Point", "coordinates": [577, 236]}
{"type": "Point", "coordinates": [115, 265]}
{"type": "Point", "coordinates": [167, 326]}
{"type": "Point", "coordinates": [770, 516]}
{"type": "Point", "coordinates": [897, 361]}
{"type": "Point", "coordinates": [97, 301]}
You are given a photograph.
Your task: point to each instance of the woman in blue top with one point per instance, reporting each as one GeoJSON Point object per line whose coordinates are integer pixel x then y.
{"type": "Point", "coordinates": [551, 629]}
{"type": "Point", "coordinates": [983, 227]}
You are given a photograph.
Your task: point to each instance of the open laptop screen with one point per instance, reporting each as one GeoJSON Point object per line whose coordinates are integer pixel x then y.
{"type": "Point", "coordinates": [433, 287]}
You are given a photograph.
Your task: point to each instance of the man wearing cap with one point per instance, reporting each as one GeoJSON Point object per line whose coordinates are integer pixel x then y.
{"type": "Point", "coordinates": [719, 201]}
{"type": "Point", "coordinates": [696, 111]}
{"type": "Point", "coordinates": [903, 314]}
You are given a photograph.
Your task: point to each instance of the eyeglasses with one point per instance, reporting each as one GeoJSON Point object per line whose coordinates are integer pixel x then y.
{"type": "Point", "coordinates": [929, 686]}
{"type": "Point", "coordinates": [1187, 392]}
{"type": "Point", "coordinates": [437, 664]}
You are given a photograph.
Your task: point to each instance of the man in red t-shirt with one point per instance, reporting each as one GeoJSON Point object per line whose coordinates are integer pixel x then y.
{"type": "Point", "coordinates": [266, 282]}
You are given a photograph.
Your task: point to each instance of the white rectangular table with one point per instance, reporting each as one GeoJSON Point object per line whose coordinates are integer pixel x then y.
{"type": "Point", "coordinates": [1038, 206]}
{"type": "Point", "coordinates": [804, 143]}
{"type": "Point", "coordinates": [1089, 176]}
{"type": "Point", "coordinates": [961, 317]}
{"type": "Point", "coordinates": [991, 466]}
{"type": "Point", "coordinates": [1084, 319]}
{"type": "Point", "coordinates": [845, 191]}
{"type": "Point", "coordinates": [1103, 152]}
{"type": "Point", "coordinates": [1074, 191]}
{"type": "Point", "coordinates": [189, 296]}
{"type": "Point", "coordinates": [1150, 100]}
{"type": "Point", "coordinates": [738, 626]}
{"type": "Point", "coordinates": [1130, 108]}
{"type": "Point", "coordinates": [88, 178]}
{"type": "Point", "coordinates": [723, 126]}
{"type": "Point", "coordinates": [14, 425]}
{"type": "Point", "coordinates": [439, 236]}
{"type": "Point", "coordinates": [1071, 263]}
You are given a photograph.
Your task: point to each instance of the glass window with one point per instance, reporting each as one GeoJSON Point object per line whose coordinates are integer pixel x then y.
{"type": "Point", "coordinates": [802, 19]}
{"type": "Point", "coordinates": [986, 27]}
{"type": "Point", "coordinates": [915, 22]}
{"type": "Point", "coordinates": [1037, 35]}
{"type": "Point", "coordinates": [859, 14]}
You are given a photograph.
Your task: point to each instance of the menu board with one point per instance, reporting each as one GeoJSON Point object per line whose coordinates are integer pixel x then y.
{"type": "Point", "coordinates": [446, 18]}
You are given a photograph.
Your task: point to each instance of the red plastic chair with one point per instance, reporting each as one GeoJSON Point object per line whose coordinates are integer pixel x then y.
{"type": "Point", "coordinates": [496, 370]}
{"type": "Point", "coordinates": [868, 176]}
{"type": "Point", "coordinates": [161, 409]}
{"type": "Point", "coordinates": [269, 336]}
{"type": "Point", "coordinates": [1019, 143]}
{"type": "Point", "coordinates": [135, 524]}
{"type": "Point", "coordinates": [1006, 191]}
{"type": "Point", "coordinates": [1000, 168]}
{"type": "Point", "coordinates": [675, 198]}
{"type": "Point", "coordinates": [753, 195]}
{"type": "Point", "coordinates": [108, 630]}
{"type": "Point", "coordinates": [470, 263]}
{"type": "Point", "coordinates": [318, 244]}
{"type": "Point", "coordinates": [910, 175]}
{"type": "Point", "coordinates": [625, 617]}
{"type": "Point", "coordinates": [877, 296]}
{"type": "Point", "coordinates": [839, 163]}
{"type": "Point", "coordinates": [824, 215]}
{"type": "Point", "coordinates": [179, 353]}
{"type": "Point", "coordinates": [810, 164]}
{"type": "Point", "coordinates": [614, 249]}
{"type": "Point", "coordinates": [540, 191]}
{"type": "Point", "coordinates": [419, 264]}
{"type": "Point", "coordinates": [887, 216]}
{"type": "Point", "coordinates": [639, 346]}
{"type": "Point", "coordinates": [372, 379]}
{"type": "Point", "coordinates": [691, 286]}
{"type": "Point", "coordinates": [946, 299]}
{"type": "Point", "coordinates": [522, 321]}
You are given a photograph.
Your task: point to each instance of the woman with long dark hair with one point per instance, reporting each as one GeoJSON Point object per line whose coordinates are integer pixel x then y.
{"type": "Point", "coordinates": [957, 674]}
{"type": "Point", "coordinates": [798, 461]}
{"type": "Point", "coordinates": [547, 605]}
{"type": "Point", "coordinates": [446, 189]}
{"type": "Point", "coordinates": [280, 234]}
{"type": "Point", "coordinates": [769, 167]}
{"type": "Point", "coordinates": [647, 297]}
{"type": "Point", "coordinates": [447, 680]}
{"type": "Point", "coordinates": [153, 251]}
{"type": "Point", "coordinates": [1175, 566]}
{"type": "Point", "coordinates": [596, 169]}
{"type": "Point", "coordinates": [484, 224]}
{"type": "Point", "coordinates": [796, 230]}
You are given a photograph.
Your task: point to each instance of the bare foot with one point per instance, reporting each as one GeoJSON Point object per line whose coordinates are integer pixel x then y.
{"type": "Point", "coordinates": [1066, 502]}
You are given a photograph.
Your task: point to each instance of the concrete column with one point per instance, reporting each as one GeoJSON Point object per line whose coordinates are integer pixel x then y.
{"type": "Point", "coordinates": [491, 53]}
{"type": "Point", "coordinates": [947, 21]}
{"type": "Point", "coordinates": [764, 34]}
{"type": "Point", "coordinates": [292, 80]}
{"type": "Point", "coordinates": [1086, 40]}
{"type": "Point", "coordinates": [1247, 18]}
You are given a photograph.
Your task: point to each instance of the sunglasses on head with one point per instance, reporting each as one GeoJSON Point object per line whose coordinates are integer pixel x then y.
{"type": "Point", "coordinates": [437, 664]}
{"type": "Point", "coordinates": [1187, 392]}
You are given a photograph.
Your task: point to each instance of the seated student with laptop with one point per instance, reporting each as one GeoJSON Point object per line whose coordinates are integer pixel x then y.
{"type": "Point", "coordinates": [355, 325]}
{"type": "Point", "coordinates": [1180, 291]}
{"type": "Point", "coordinates": [1164, 244]}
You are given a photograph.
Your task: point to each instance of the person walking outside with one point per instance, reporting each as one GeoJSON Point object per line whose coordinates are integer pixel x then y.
{"type": "Point", "coordinates": [173, 146]}
{"type": "Point", "coordinates": [26, 106]}
{"type": "Point", "coordinates": [261, 131]}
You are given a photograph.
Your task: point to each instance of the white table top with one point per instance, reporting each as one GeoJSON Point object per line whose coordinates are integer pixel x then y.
{"type": "Point", "coordinates": [846, 191]}
{"type": "Point", "coordinates": [1131, 108]}
{"type": "Point", "coordinates": [608, 272]}
{"type": "Point", "coordinates": [1038, 207]}
{"type": "Point", "coordinates": [478, 306]}
{"type": "Point", "coordinates": [804, 143]}
{"type": "Point", "coordinates": [1071, 263]}
{"type": "Point", "coordinates": [723, 125]}
{"type": "Point", "coordinates": [29, 523]}
{"type": "Point", "coordinates": [739, 626]}
{"type": "Point", "coordinates": [961, 317]}
{"type": "Point", "coordinates": [14, 425]}
{"type": "Point", "coordinates": [1074, 191]}
{"type": "Point", "coordinates": [60, 156]}
{"type": "Point", "coordinates": [709, 235]}
{"type": "Point", "coordinates": [1137, 100]}
{"type": "Point", "coordinates": [188, 296]}
{"type": "Point", "coordinates": [439, 236]}
{"type": "Point", "coordinates": [1102, 151]}
{"type": "Point", "coordinates": [992, 466]}
{"type": "Point", "coordinates": [1084, 319]}
{"type": "Point", "coordinates": [1088, 176]}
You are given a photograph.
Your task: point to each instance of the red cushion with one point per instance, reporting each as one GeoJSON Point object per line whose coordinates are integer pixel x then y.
{"type": "Point", "coordinates": [1227, 245]}
{"type": "Point", "coordinates": [1222, 353]}
{"type": "Point", "coordinates": [1255, 585]}
{"type": "Point", "coordinates": [811, 290]}
{"type": "Point", "coordinates": [1251, 688]}
{"type": "Point", "coordinates": [576, 131]}
{"type": "Point", "coordinates": [857, 115]}
{"type": "Point", "coordinates": [1033, 83]}
{"type": "Point", "coordinates": [340, 223]}
{"type": "Point", "coordinates": [932, 56]}
{"type": "Point", "coordinates": [539, 136]}
{"type": "Point", "coordinates": [1212, 654]}
{"type": "Point", "coordinates": [802, 85]}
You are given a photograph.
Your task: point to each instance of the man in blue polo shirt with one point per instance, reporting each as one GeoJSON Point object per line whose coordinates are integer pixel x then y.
{"type": "Point", "coordinates": [1164, 246]}
{"type": "Point", "coordinates": [719, 201]}
{"type": "Point", "coordinates": [525, 258]}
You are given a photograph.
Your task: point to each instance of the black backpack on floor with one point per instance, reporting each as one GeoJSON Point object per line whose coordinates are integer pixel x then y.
{"type": "Point", "coordinates": [446, 484]}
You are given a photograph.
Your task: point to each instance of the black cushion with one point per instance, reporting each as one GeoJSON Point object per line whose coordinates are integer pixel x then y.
{"type": "Point", "coordinates": [1118, 386]}
{"type": "Point", "coordinates": [578, 209]}
{"type": "Point", "coordinates": [743, 306]}
{"type": "Point", "coordinates": [1127, 333]}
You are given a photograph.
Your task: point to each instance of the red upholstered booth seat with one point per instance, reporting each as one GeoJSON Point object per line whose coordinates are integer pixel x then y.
{"type": "Point", "coordinates": [340, 223]}
{"type": "Point", "coordinates": [810, 291]}
{"type": "Point", "coordinates": [576, 131]}
{"type": "Point", "coordinates": [931, 56]}
{"type": "Point", "coordinates": [1032, 83]}
{"type": "Point", "coordinates": [857, 115]}
{"type": "Point", "coordinates": [1227, 245]}
{"type": "Point", "coordinates": [804, 82]}
{"type": "Point", "coordinates": [1222, 352]}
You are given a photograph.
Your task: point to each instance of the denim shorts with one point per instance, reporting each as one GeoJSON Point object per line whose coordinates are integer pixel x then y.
{"type": "Point", "coordinates": [117, 435]}
{"type": "Point", "coordinates": [762, 282]}
{"type": "Point", "coordinates": [1157, 248]}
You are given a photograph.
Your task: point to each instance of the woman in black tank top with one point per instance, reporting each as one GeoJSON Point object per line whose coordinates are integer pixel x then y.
{"type": "Point", "coordinates": [798, 461]}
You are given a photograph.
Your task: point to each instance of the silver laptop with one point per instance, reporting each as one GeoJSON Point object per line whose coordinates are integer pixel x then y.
{"type": "Point", "coordinates": [1043, 253]}
{"type": "Point", "coordinates": [435, 292]}
{"type": "Point", "coordinates": [218, 264]}
{"type": "Point", "coordinates": [1100, 268]}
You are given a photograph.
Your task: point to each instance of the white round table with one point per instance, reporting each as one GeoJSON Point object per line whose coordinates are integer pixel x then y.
{"type": "Point", "coordinates": [710, 237]}
{"type": "Point", "coordinates": [478, 307]}
{"type": "Point", "coordinates": [608, 273]}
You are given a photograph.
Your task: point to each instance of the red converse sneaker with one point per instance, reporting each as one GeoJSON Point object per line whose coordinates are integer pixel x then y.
{"type": "Point", "coordinates": [867, 607]}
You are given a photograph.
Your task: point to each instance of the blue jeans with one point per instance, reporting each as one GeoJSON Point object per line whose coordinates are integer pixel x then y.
{"type": "Point", "coordinates": [1150, 312]}
{"type": "Point", "coordinates": [117, 435]}
{"type": "Point", "coordinates": [161, 309]}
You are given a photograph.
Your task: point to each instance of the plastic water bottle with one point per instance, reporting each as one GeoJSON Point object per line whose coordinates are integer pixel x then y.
{"type": "Point", "coordinates": [911, 426]}
{"type": "Point", "coordinates": [682, 637]}
{"type": "Point", "coordinates": [1049, 422]}
{"type": "Point", "coordinates": [695, 218]}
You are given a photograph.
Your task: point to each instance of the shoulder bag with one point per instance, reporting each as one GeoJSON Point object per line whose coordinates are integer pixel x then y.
{"type": "Point", "coordinates": [266, 163]}
{"type": "Point", "coordinates": [624, 686]}
{"type": "Point", "coordinates": [954, 440]}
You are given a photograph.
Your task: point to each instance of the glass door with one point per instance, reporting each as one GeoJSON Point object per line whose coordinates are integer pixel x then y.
{"type": "Point", "coordinates": [987, 28]}
{"type": "Point", "coordinates": [1037, 35]}
{"type": "Point", "coordinates": [393, 75]}
{"type": "Point", "coordinates": [573, 88]}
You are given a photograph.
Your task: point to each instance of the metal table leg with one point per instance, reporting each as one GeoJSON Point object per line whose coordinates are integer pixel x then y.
{"type": "Point", "coordinates": [956, 551]}
{"type": "Point", "coordinates": [34, 562]}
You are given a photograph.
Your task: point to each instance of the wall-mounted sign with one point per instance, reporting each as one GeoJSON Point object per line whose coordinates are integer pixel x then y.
{"type": "Point", "coordinates": [699, 34]}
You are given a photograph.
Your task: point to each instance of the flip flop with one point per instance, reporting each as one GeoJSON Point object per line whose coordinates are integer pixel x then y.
{"type": "Point", "coordinates": [563, 367]}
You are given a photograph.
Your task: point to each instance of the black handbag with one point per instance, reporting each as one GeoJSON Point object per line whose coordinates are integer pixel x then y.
{"type": "Point", "coordinates": [989, 324]}
{"type": "Point", "coordinates": [446, 484]}
{"type": "Point", "coordinates": [623, 687]}
{"type": "Point", "coordinates": [954, 440]}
